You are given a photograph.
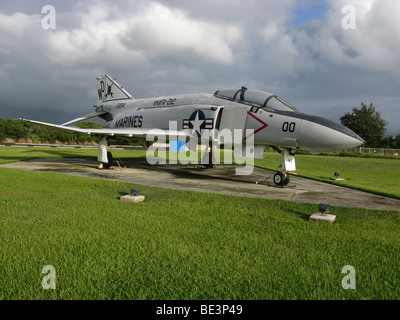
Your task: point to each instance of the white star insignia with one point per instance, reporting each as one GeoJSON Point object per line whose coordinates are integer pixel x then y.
{"type": "Point", "coordinates": [197, 123]}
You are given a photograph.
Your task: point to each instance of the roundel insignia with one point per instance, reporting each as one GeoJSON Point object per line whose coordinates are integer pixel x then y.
{"type": "Point", "coordinates": [198, 122]}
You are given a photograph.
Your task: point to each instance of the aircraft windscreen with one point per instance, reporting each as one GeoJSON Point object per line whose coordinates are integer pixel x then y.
{"type": "Point", "coordinates": [279, 104]}
{"type": "Point", "coordinates": [256, 98]}
{"type": "Point", "coordinates": [227, 94]}
{"type": "Point", "coordinates": [253, 97]}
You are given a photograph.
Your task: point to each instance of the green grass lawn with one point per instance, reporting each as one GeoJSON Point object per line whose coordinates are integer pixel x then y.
{"type": "Point", "coordinates": [179, 244]}
{"type": "Point", "coordinates": [380, 176]}
{"type": "Point", "coordinates": [13, 154]}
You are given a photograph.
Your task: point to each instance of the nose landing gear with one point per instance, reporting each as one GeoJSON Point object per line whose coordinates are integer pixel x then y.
{"type": "Point", "coordinates": [288, 164]}
{"type": "Point", "coordinates": [281, 179]}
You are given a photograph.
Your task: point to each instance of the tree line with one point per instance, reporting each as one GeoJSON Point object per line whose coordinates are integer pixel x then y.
{"type": "Point", "coordinates": [26, 132]}
{"type": "Point", "coordinates": [369, 125]}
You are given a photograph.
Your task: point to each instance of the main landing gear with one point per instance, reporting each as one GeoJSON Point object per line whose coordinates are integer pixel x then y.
{"type": "Point", "coordinates": [288, 164]}
{"type": "Point", "coordinates": [110, 161]}
{"type": "Point", "coordinates": [104, 157]}
{"type": "Point", "coordinates": [208, 160]}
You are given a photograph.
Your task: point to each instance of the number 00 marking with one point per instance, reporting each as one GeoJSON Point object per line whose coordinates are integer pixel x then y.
{"type": "Point", "coordinates": [288, 126]}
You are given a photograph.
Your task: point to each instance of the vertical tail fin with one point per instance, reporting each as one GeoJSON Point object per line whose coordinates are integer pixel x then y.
{"type": "Point", "coordinates": [109, 90]}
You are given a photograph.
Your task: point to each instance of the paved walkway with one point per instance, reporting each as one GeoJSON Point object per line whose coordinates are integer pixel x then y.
{"type": "Point", "coordinates": [217, 180]}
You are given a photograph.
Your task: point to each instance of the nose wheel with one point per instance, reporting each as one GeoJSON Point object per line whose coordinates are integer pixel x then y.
{"type": "Point", "coordinates": [281, 179]}
{"type": "Point", "coordinates": [288, 165]}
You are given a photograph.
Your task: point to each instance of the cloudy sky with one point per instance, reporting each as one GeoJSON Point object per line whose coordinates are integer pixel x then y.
{"type": "Point", "coordinates": [325, 57]}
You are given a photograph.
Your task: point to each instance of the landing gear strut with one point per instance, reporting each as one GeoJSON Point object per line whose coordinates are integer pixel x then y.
{"type": "Point", "coordinates": [104, 157]}
{"type": "Point", "coordinates": [208, 159]}
{"type": "Point", "coordinates": [288, 164]}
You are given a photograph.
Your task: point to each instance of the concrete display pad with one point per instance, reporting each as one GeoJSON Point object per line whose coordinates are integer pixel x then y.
{"type": "Point", "coordinates": [221, 179]}
{"type": "Point", "coordinates": [130, 198]}
{"type": "Point", "coordinates": [323, 217]}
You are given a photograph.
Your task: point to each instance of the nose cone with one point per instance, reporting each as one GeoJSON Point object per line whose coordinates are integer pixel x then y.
{"type": "Point", "coordinates": [322, 135]}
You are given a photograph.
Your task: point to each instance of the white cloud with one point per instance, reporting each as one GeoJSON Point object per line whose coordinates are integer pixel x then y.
{"type": "Point", "coordinates": [17, 29]}
{"type": "Point", "coordinates": [95, 42]}
{"type": "Point", "coordinates": [104, 37]}
{"type": "Point", "coordinates": [319, 45]}
{"type": "Point", "coordinates": [131, 40]}
{"type": "Point", "coordinates": [162, 31]}
{"type": "Point", "coordinates": [370, 46]}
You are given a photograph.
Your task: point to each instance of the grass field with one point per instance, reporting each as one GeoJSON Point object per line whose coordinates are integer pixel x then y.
{"type": "Point", "coordinates": [380, 176]}
{"type": "Point", "coordinates": [182, 245]}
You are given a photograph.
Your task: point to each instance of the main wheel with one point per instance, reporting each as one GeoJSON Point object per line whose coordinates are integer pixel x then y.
{"type": "Point", "coordinates": [110, 161]}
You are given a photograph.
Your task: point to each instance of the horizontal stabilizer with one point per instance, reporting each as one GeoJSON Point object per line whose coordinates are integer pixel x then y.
{"type": "Point", "coordinates": [88, 116]}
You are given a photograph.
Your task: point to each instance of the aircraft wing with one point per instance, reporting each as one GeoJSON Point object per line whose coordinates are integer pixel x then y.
{"type": "Point", "coordinates": [127, 132]}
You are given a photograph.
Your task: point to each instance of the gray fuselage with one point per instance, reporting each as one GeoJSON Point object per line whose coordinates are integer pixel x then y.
{"type": "Point", "coordinates": [274, 121]}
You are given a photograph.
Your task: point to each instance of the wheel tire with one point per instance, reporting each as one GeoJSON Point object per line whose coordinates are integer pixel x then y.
{"type": "Point", "coordinates": [110, 160]}
{"type": "Point", "coordinates": [279, 179]}
{"type": "Point", "coordinates": [286, 181]}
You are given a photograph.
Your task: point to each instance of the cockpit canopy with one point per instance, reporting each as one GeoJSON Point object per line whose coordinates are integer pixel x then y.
{"type": "Point", "coordinates": [256, 98]}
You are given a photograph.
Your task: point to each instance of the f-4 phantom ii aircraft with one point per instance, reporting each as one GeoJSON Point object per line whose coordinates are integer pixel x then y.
{"type": "Point", "coordinates": [274, 122]}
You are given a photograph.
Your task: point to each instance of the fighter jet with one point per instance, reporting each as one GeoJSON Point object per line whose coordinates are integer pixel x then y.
{"type": "Point", "coordinates": [273, 121]}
